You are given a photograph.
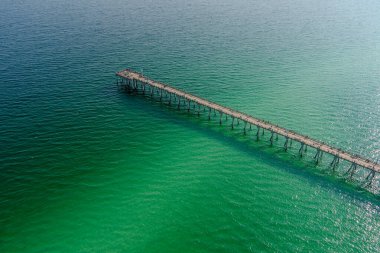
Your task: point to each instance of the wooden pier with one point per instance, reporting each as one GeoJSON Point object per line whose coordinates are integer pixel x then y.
{"type": "Point", "coordinates": [132, 80]}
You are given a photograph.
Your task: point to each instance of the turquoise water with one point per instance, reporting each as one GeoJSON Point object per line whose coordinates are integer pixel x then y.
{"type": "Point", "coordinates": [87, 168]}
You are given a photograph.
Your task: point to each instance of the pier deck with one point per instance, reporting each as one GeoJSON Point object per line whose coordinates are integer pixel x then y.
{"type": "Point", "coordinates": [288, 134]}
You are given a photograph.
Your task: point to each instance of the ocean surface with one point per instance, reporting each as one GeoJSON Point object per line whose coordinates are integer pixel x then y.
{"type": "Point", "coordinates": [85, 167]}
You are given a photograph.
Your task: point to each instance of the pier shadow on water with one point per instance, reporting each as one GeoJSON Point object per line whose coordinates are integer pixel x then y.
{"type": "Point", "coordinates": [337, 180]}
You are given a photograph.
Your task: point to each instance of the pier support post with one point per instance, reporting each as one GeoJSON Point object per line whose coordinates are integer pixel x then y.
{"type": "Point", "coordinates": [271, 138]}
{"type": "Point", "coordinates": [369, 178]}
{"type": "Point", "coordinates": [286, 143]}
{"type": "Point", "coordinates": [151, 91]}
{"type": "Point", "coordinates": [318, 156]}
{"type": "Point", "coordinates": [120, 82]}
{"type": "Point", "coordinates": [301, 150]}
{"type": "Point", "coordinates": [245, 125]}
{"type": "Point", "coordinates": [232, 123]}
{"type": "Point", "coordinates": [335, 162]}
{"type": "Point", "coordinates": [354, 168]}
{"type": "Point", "coordinates": [258, 134]}
{"type": "Point", "coordinates": [209, 113]}
{"type": "Point", "coordinates": [220, 118]}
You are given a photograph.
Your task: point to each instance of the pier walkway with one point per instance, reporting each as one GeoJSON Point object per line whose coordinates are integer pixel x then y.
{"type": "Point", "coordinates": [132, 79]}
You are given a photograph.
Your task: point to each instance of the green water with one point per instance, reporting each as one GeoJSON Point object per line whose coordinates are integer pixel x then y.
{"type": "Point", "coordinates": [87, 168]}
